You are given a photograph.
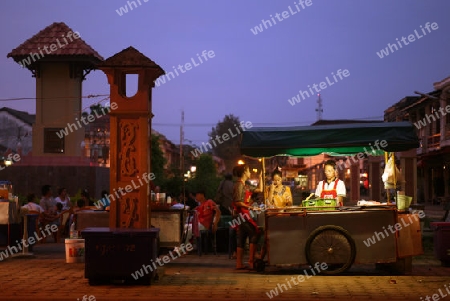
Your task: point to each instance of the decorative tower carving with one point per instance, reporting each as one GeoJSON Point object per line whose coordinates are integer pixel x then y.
{"type": "Point", "coordinates": [130, 126]}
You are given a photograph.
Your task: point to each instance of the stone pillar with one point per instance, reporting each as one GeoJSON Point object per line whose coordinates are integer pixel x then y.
{"type": "Point", "coordinates": [130, 121]}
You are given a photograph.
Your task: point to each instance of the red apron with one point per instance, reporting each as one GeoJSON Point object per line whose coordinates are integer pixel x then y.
{"type": "Point", "coordinates": [245, 212]}
{"type": "Point", "coordinates": [329, 194]}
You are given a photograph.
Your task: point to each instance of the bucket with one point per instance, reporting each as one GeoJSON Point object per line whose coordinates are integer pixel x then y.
{"type": "Point", "coordinates": [74, 250]}
{"type": "Point", "coordinates": [403, 202]}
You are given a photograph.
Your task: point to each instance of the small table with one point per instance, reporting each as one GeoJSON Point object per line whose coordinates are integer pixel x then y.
{"type": "Point", "coordinates": [91, 218]}
{"type": "Point", "coordinates": [8, 215]}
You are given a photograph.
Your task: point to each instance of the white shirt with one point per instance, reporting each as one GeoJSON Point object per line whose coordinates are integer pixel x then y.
{"type": "Point", "coordinates": [66, 203]}
{"type": "Point", "coordinates": [340, 188]}
{"type": "Point", "coordinates": [33, 207]}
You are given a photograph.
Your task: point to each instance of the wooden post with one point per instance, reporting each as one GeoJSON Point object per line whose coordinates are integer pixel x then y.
{"type": "Point", "coordinates": [130, 172]}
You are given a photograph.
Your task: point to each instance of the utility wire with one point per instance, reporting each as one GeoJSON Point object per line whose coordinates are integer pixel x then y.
{"type": "Point", "coordinates": [51, 98]}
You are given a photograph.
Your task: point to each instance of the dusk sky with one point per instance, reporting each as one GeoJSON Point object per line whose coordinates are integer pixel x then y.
{"type": "Point", "coordinates": [252, 76]}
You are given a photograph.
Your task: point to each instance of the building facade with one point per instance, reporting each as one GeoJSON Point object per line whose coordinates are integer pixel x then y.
{"type": "Point", "coordinates": [430, 115]}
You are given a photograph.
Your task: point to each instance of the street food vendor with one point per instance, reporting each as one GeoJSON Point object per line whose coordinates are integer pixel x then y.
{"type": "Point", "coordinates": [279, 194]}
{"type": "Point", "coordinates": [332, 187]}
{"type": "Point", "coordinates": [247, 226]}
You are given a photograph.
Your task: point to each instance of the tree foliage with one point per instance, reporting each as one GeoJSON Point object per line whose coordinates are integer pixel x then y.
{"type": "Point", "coordinates": [228, 150]}
{"type": "Point", "coordinates": [205, 177]}
{"type": "Point", "coordinates": [157, 161]}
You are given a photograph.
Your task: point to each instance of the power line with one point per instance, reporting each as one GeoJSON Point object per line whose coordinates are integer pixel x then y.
{"type": "Point", "coordinates": [51, 98]}
{"type": "Point", "coordinates": [259, 124]}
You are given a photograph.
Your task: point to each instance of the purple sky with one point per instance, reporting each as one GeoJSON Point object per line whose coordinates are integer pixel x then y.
{"type": "Point", "coordinates": [251, 76]}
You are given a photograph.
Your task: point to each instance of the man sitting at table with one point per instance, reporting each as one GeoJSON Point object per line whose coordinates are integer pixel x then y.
{"type": "Point", "coordinates": [31, 205]}
{"type": "Point", "coordinates": [205, 211]}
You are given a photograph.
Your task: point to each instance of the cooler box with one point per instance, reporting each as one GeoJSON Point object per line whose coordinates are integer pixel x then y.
{"type": "Point", "coordinates": [442, 241]}
{"type": "Point", "coordinates": [114, 254]}
{"type": "Point", "coordinates": [320, 202]}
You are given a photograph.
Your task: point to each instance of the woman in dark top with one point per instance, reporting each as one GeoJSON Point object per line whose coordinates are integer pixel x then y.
{"type": "Point", "coordinates": [247, 227]}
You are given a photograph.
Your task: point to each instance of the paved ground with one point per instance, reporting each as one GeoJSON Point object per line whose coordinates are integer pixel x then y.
{"type": "Point", "coordinates": [190, 277]}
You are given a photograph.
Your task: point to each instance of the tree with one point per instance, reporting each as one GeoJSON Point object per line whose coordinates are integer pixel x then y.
{"type": "Point", "coordinates": [227, 150]}
{"type": "Point", "coordinates": [101, 110]}
{"type": "Point", "coordinates": [205, 177]}
{"type": "Point", "coordinates": [157, 161]}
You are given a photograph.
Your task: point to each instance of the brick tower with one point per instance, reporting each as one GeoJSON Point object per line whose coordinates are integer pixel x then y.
{"type": "Point", "coordinates": [59, 60]}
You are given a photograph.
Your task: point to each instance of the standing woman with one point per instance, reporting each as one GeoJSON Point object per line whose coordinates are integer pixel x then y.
{"type": "Point", "coordinates": [248, 227]}
{"type": "Point", "coordinates": [279, 194]}
{"type": "Point", "coordinates": [331, 187]}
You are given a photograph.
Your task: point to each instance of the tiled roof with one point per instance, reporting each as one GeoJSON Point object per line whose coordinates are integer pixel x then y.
{"type": "Point", "coordinates": [130, 57]}
{"type": "Point", "coordinates": [55, 34]}
{"type": "Point", "coordinates": [24, 116]}
{"type": "Point", "coordinates": [343, 121]}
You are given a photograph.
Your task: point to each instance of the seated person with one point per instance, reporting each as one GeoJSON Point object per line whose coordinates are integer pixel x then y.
{"type": "Point", "coordinates": [332, 187]}
{"type": "Point", "coordinates": [80, 205]}
{"type": "Point", "coordinates": [63, 198]}
{"type": "Point", "coordinates": [48, 203]}
{"type": "Point", "coordinates": [279, 194]}
{"type": "Point", "coordinates": [31, 205]}
{"type": "Point", "coordinates": [208, 212]}
{"type": "Point", "coordinates": [87, 198]}
{"type": "Point", "coordinates": [104, 203]}
{"type": "Point", "coordinates": [189, 200]}
{"type": "Point", "coordinates": [59, 208]}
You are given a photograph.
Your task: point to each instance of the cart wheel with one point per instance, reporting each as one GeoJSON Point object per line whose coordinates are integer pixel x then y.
{"type": "Point", "coordinates": [259, 265]}
{"type": "Point", "coordinates": [332, 245]}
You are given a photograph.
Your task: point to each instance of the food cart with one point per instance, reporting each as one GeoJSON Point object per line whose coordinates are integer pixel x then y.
{"type": "Point", "coordinates": [342, 236]}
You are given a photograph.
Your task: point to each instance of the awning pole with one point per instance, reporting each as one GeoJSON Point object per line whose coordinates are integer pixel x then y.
{"type": "Point", "coordinates": [386, 159]}
{"type": "Point", "coordinates": [263, 162]}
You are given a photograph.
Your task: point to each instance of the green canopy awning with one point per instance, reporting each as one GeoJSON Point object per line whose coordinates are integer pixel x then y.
{"type": "Point", "coordinates": [335, 140]}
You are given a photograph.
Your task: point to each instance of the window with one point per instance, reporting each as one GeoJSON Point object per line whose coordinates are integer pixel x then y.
{"type": "Point", "coordinates": [54, 140]}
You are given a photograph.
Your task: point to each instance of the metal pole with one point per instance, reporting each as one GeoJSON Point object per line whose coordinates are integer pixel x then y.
{"type": "Point", "coordinates": [266, 201]}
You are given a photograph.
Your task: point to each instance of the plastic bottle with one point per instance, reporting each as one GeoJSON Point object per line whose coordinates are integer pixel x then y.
{"type": "Point", "coordinates": [73, 232]}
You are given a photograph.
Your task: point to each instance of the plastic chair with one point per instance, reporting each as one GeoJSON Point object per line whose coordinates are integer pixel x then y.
{"type": "Point", "coordinates": [207, 237]}
{"type": "Point", "coordinates": [38, 221]}
{"type": "Point", "coordinates": [63, 218]}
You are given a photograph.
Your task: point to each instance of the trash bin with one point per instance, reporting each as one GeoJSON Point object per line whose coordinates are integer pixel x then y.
{"type": "Point", "coordinates": [442, 241]}
{"type": "Point", "coordinates": [75, 250]}
{"type": "Point", "coordinates": [115, 254]}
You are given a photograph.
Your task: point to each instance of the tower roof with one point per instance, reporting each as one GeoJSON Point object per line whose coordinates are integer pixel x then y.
{"type": "Point", "coordinates": [56, 42]}
{"type": "Point", "coordinates": [130, 57]}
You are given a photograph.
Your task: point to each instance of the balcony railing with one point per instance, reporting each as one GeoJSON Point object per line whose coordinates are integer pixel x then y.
{"type": "Point", "coordinates": [433, 141]}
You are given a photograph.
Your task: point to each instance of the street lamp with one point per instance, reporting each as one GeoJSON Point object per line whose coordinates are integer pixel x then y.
{"type": "Point", "coordinates": [240, 162]}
